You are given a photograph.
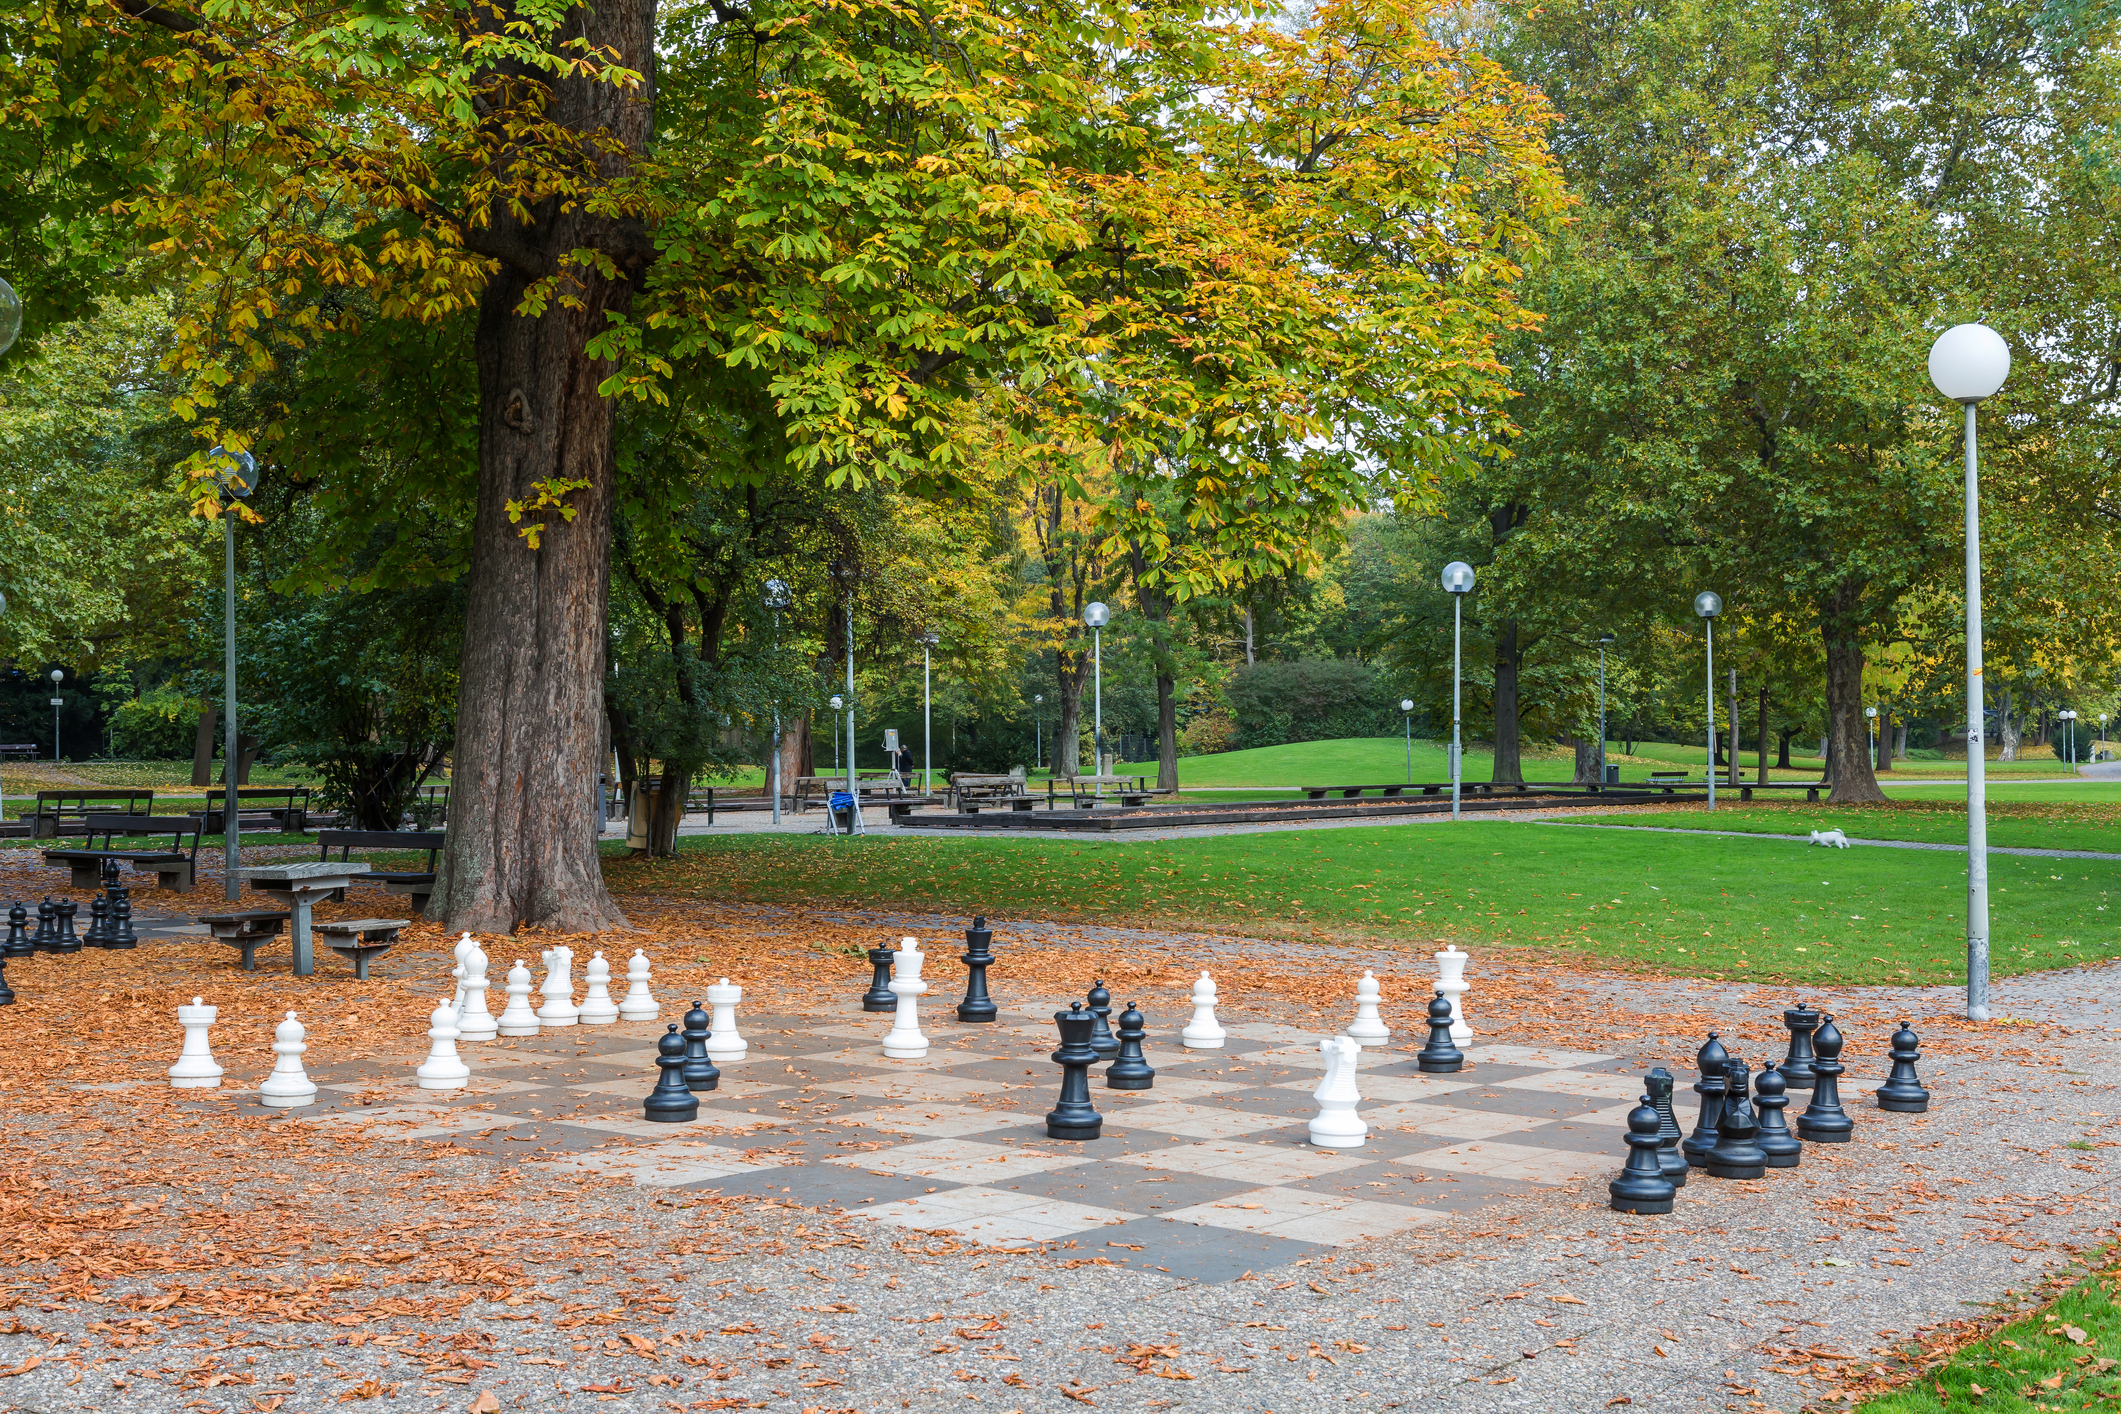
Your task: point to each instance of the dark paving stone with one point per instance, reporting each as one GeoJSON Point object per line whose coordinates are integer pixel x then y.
{"type": "Point", "coordinates": [826, 1185]}
{"type": "Point", "coordinates": [1384, 1182]}
{"type": "Point", "coordinates": [1581, 1138]}
{"type": "Point", "coordinates": [1484, 1072]}
{"type": "Point", "coordinates": [1126, 1187]}
{"type": "Point", "coordinates": [1195, 1253]}
{"type": "Point", "coordinates": [1533, 1104]}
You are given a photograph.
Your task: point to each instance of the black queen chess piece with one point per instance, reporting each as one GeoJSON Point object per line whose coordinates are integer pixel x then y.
{"type": "Point", "coordinates": [1796, 1067]}
{"type": "Point", "coordinates": [878, 997]}
{"type": "Point", "coordinates": [1902, 1092]}
{"type": "Point", "coordinates": [68, 941]}
{"type": "Point", "coordinates": [1642, 1186]}
{"type": "Point", "coordinates": [1439, 1056]}
{"type": "Point", "coordinates": [1823, 1120]}
{"type": "Point", "coordinates": [1710, 1061]}
{"type": "Point", "coordinates": [18, 940]}
{"type": "Point", "coordinates": [700, 1072]}
{"type": "Point", "coordinates": [1099, 1005]}
{"type": "Point", "coordinates": [670, 1102]}
{"type": "Point", "coordinates": [1130, 1070]}
{"type": "Point", "coordinates": [978, 956]}
{"type": "Point", "coordinates": [1074, 1117]}
{"type": "Point", "coordinates": [1735, 1154]}
{"type": "Point", "coordinates": [1770, 1099]}
{"type": "Point", "coordinates": [1660, 1084]}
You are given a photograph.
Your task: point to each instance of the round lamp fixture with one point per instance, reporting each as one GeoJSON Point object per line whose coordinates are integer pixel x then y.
{"type": "Point", "coordinates": [1406, 704]}
{"type": "Point", "coordinates": [836, 704]}
{"type": "Point", "coordinates": [1708, 603]}
{"type": "Point", "coordinates": [1870, 711]}
{"type": "Point", "coordinates": [10, 315]}
{"type": "Point", "coordinates": [778, 595]}
{"type": "Point", "coordinates": [56, 675]}
{"type": "Point", "coordinates": [1969, 362]}
{"type": "Point", "coordinates": [1096, 615]}
{"type": "Point", "coordinates": [931, 638]}
{"type": "Point", "coordinates": [236, 471]}
{"type": "Point", "coordinates": [1458, 577]}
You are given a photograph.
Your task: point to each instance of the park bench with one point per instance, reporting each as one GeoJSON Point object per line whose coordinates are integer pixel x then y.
{"type": "Point", "coordinates": [359, 940]}
{"type": "Point", "coordinates": [1130, 790]}
{"type": "Point", "coordinates": [246, 931]}
{"type": "Point", "coordinates": [416, 885]}
{"type": "Point", "coordinates": [868, 784]}
{"type": "Point", "coordinates": [66, 812]}
{"type": "Point", "coordinates": [174, 866]}
{"type": "Point", "coordinates": [970, 790]}
{"type": "Point", "coordinates": [1357, 792]}
{"type": "Point", "coordinates": [18, 751]}
{"type": "Point", "coordinates": [284, 806]}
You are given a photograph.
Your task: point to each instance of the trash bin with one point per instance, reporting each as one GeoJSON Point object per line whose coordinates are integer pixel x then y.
{"type": "Point", "coordinates": [841, 804]}
{"type": "Point", "coordinates": [1612, 775]}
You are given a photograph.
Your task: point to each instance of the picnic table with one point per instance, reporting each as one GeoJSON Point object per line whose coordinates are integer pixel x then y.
{"type": "Point", "coordinates": [867, 784]}
{"type": "Point", "coordinates": [291, 813]}
{"type": "Point", "coordinates": [970, 790]}
{"type": "Point", "coordinates": [66, 812]}
{"type": "Point", "coordinates": [416, 884]}
{"type": "Point", "coordinates": [173, 866]}
{"type": "Point", "coordinates": [1131, 790]}
{"type": "Point", "coordinates": [298, 886]}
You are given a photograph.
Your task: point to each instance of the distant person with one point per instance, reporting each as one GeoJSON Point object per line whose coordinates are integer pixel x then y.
{"type": "Point", "coordinates": [904, 764]}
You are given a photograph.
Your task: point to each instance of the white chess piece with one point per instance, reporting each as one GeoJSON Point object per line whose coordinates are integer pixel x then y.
{"type": "Point", "coordinates": [1367, 1028]}
{"type": "Point", "coordinates": [598, 1009]}
{"type": "Point", "coordinates": [1451, 981]}
{"type": "Point", "coordinates": [195, 1068]}
{"type": "Point", "coordinates": [905, 1041]}
{"type": "Point", "coordinates": [724, 1043]}
{"type": "Point", "coordinates": [517, 1019]}
{"type": "Point", "coordinates": [1203, 1032]}
{"type": "Point", "coordinates": [638, 1004]}
{"type": "Point", "coordinates": [558, 991]}
{"type": "Point", "coordinates": [443, 1069]}
{"type": "Point", "coordinates": [462, 954]}
{"type": "Point", "coordinates": [1337, 1126]}
{"type": "Point", "coordinates": [474, 1021]}
{"type": "Point", "coordinates": [288, 1085]}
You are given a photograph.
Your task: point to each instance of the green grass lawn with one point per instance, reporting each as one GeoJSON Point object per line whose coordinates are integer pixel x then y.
{"type": "Point", "coordinates": [2043, 823]}
{"type": "Point", "coordinates": [2063, 1357]}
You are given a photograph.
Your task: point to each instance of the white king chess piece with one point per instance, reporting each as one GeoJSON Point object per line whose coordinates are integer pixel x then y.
{"type": "Point", "coordinates": [723, 1041]}
{"type": "Point", "coordinates": [1203, 1032]}
{"type": "Point", "coordinates": [517, 1019]}
{"type": "Point", "coordinates": [598, 1009]}
{"type": "Point", "coordinates": [1451, 981]}
{"type": "Point", "coordinates": [638, 1004]}
{"type": "Point", "coordinates": [288, 1085]}
{"type": "Point", "coordinates": [558, 990]}
{"type": "Point", "coordinates": [443, 1069]}
{"type": "Point", "coordinates": [1367, 1028]}
{"type": "Point", "coordinates": [474, 1020]}
{"type": "Point", "coordinates": [1337, 1126]}
{"type": "Point", "coordinates": [195, 1068]}
{"type": "Point", "coordinates": [905, 1041]}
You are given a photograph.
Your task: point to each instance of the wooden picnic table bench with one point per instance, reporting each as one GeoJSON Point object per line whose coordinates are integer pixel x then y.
{"type": "Point", "coordinates": [18, 751]}
{"type": "Point", "coordinates": [174, 867]}
{"type": "Point", "coordinates": [1395, 788]}
{"type": "Point", "coordinates": [1130, 790]}
{"type": "Point", "coordinates": [970, 790]}
{"type": "Point", "coordinates": [359, 940]}
{"type": "Point", "coordinates": [66, 812]}
{"type": "Point", "coordinates": [416, 884]}
{"type": "Point", "coordinates": [254, 807]}
{"type": "Point", "coordinates": [246, 931]}
{"type": "Point", "coordinates": [867, 784]}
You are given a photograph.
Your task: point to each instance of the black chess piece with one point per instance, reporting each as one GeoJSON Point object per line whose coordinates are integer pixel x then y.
{"type": "Point", "coordinates": [1770, 1098]}
{"type": "Point", "coordinates": [879, 997]}
{"type": "Point", "coordinates": [68, 940]}
{"type": "Point", "coordinates": [121, 923]}
{"type": "Point", "coordinates": [1073, 1117]}
{"type": "Point", "coordinates": [1642, 1186]}
{"type": "Point", "coordinates": [1102, 1040]}
{"type": "Point", "coordinates": [47, 939]}
{"type": "Point", "coordinates": [1902, 1091]}
{"type": "Point", "coordinates": [670, 1102]}
{"type": "Point", "coordinates": [1735, 1154]}
{"type": "Point", "coordinates": [98, 934]}
{"type": "Point", "coordinates": [978, 956]}
{"type": "Point", "coordinates": [1440, 1056]}
{"type": "Point", "coordinates": [7, 993]}
{"type": "Point", "coordinates": [1711, 1060]}
{"type": "Point", "coordinates": [1130, 1070]}
{"type": "Point", "coordinates": [1823, 1120]}
{"type": "Point", "coordinates": [1660, 1084]}
{"type": "Point", "coordinates": [1796, 1067]}
{"type": "Point", "coordinates": [700, 1072]}
{"type": "Point", "coordinates": [18, 942]}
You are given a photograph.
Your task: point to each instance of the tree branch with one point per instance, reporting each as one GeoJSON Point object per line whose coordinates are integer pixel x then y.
{"type": "Point", "coordinates": [172, 20]}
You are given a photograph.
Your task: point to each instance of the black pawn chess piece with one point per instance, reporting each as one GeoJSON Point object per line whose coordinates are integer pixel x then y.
{"type": "Point", "coordinates": [68, 940]}
{"type": "Point", "coordinates": [1642, 1186]}
{"type": "Point", "coordinates": [670, 1102]}
{"type": "Point", "coordinates": [1130, 1070]}
{"type": "Point", "coordinates": [18, 943]}
{"type": "Point", "coordinates": [1796, 1068]}
{"type": "Point", "coordinates": [1823, 1120]}
{"type": "Point", "coordinates": [1902, 1091]}
{"type": "Point", "coordinates": [879, 997]}
{"type": "Point", "coordinates": [1102, 1040]}
{"type": "Point", "coordinates": [121, 924]}
{"type": "Point", "coordinates": [1439, 1056]}
{"type": "Point", "coordinates": [1770, 1099]}
{"type": "Point", "coordinates": [1660, 1084]}
{"type": "Point", "coordinates": [978, 956]}
{"type": "Point", "coordinates": [1711, 1060]}
{"type": "Point", "coordinates": [98, 934]}
{"type": "Point", "coordinates": [1074, 1117]}
{"type": "Point", "coordinates": [1735, 1154]}
{"type": "Point", "coordinates": [7, 993]}
{"type": "Point", "coordinates": [700, 1072]}
{"type": "Point", "coordinates": [47, 939]}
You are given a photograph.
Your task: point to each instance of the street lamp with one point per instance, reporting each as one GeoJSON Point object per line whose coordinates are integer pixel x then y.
{"type": "Point", "coordinates": [778, 597]}
{"type": "Point", "coordinates": [236, 473]}
{"type": "Point", "coordinates": [2071, 718]}
{"type": "Point", "coordinates": [1038, 730]}
{"type": "Point", "coordinates": [1968, 363]}
{"type": "Point", "coordinates": [1406, 709]}
{"type": "Point", "coordinates": [1870, 727]}
{"type": "Point", "coordinates": [10, 316]}
{"type": "Point", "coordinates": [1457, 582]}
{"type": "Point", "coordinates": [928, 642]}
{"type": "Point", "coordinates": [1708, 605]}
{"type": "Point", "coordinates": [1603, 640]}
{"type": "Point", "coordinates": [1095, 617]}
{"type": "Point", "coordinates": [57, 703]}
{"type": "Point", "coordinates": [2097, 751]}
{"type": "Point", "coordinates": [837, 703]}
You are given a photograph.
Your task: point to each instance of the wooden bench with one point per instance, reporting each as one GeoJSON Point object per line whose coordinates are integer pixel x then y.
{"type": "Point", "coordinates": [291, 814]}
{"type": "Point", "coordinates": [867, 784]}
{"type": "Point", "coordinates": [359, 940]}
{"type": "Point", "coordinates": [66, 812]}
{"type": "Point", "coordinates": [247, 931]}
{"type": "Point", "coordinates": [174, 867]}
{"type": "Point", "coordinates": [970, 790]}
{"type": "Point", "coordinates": [417, 885]}
{"type": "Point", "coordinates": [1357, 792]}
{"type": "Point", "coordinates": [18, 751]}
{"type": "Point", "coordinates": [1129, 790]}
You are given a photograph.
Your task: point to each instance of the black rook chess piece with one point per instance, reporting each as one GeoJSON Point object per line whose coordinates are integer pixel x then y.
{"type": "Point", "coordinates": [121, 920]}
{"type": "Point", "coordinates": [878, 997]}
{"type": "Point", "coordinates": [1642, 1186]}
{"type": "Point", "coordinates": [1099, 1005]}
{"type": "Point", "coordinates": [1774, 1139]}
{"type": "Point", "coordinates": [1711, 1060]}
{"type": "Point", "coordinates": [68, 941]}
{"type": "Point", "coordinates": [98, 934]}
{"type": "Point", "coordinates": [1659, 1083]}
{"type": "Point", "coordinates": [18, 943]}
{"type": "Point", "coordinates": [1735, 1154]}
{"type": "Point", "coordinates": [1129, 1069]}
{"type": "Point", "coordinates": [1439, 1056]}
{"type": "Point", "coordinates": [978, 956]}
{"type": "Point", "coordinates": [1902, 1091]}
{"type": "Point", "coordinates": [1797, 1066]}
{"type": "Point", "coordinates": [1073, 1117]}
{"type": "Point", "coordinates": [47, 939]}
{"type": "Point", "coordinates": [700, 1072]}
{"type": "Point", "coordinates": [670, 1102]}
{"type": "Point", "coordinates": [1823, 1120]}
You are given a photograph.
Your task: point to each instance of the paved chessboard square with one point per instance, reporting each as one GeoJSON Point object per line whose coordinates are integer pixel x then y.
{"type": "Point", "coordinates": [1493, 1159]}
{"type": "Point", "coordinates": [926, 1085]}
{"type": "Point", "coordinates": [873, 1059]}
{"type": "Point", "coordinates": [1127, 1188]}
{"type": "Point", "coordinates": [1193, 1251]}
{"type": "Point", "coordinates": [1592, 1085]}
{"type": "Point", "coordinates": [638, 1088]}
{"type": "Point", "coordinates": [994, 1215]}
{"type": "Point", "coordinates": [1534, 1104]}
{"type": "Point", "coordinates": [1447, 1121]}
{"type": "Point", "coordinates": [642, 1128]}
{"type": "Point", "coordinates": [1595, 1133]}
{"type": "Point", "coordinates": [406, 1083]}
{"type": "Point", "coordinates": [409, 1121]}
{"type": "Point", "coordinates": [960, 1160]}
{"type": "Point", "coordinates": [1272, 1031]}
{"type": "Point", "coordinates": [1192, 1121]}
{"type": "Point", "coordinates": [1391, 1181]}
{"type": "Point", "coordinates": [1541, 1057]}
{"type": "Point", "coordinates": [1247, 1162]}
{"type": "Point", "coordinates": [936, 1121]}
{"type": "Point", "coordinates": [1306, 1216]}
{"type": "Point", "coordinates": [660, 1165]}
{"type": "Point", "coordinates": [1186, 1087]}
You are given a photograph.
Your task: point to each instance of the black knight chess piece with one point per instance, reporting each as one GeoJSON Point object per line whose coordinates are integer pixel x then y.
{"type": "Point", "coordinates": [1823, 1120]}
{"type": "Point", "coordinates": [1770, 1099]}
{"type": "Point", "coordinates": [878, 997]}
{"type": "Point", "coordinates": [1642, 1186]}
{"type": "Point", "coordinates": [1735, 1154]}
{"type": "Point", "coordinates": [700, 1072]}
{"type": "Point", "coordinates": [1796, 1068]}
{"type": "Point", "coordinates": [1130, 1070]}
{"type": "Point", "coordinates": [1440, 1056]}
{"type": "Point", "coordinates": [1902, 1091]}
{"type": "Point", "coordinates": [47, 939]}
{"type": "Point", "coordinates": [18, 940]}
{"type": "Point", "coordinates": [1660, 1084]}
{"type": "Point", "coordinates": [1074, 1117]}
{"type": "Point", "coordinates": [670, 1102]}
{"type": "Point", "coordinates": [978, 956]}
{"type": "Point", "coordinates": [1099, 1005]}
{"type": "Point", "coordinates": [68, 941]}
{"type": "Point", "coordinates": [1710, 1060]}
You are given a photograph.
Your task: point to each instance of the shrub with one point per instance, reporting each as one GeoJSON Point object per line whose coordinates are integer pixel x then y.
{"type": "Point", "coordinates": [2087, 739]}
{"type": "Point", "coordinates": [1313, 699]}
{"type": "Point", "coordinates": [162, 725]}
{"type": "Point", "coordinates": [1208, 733]}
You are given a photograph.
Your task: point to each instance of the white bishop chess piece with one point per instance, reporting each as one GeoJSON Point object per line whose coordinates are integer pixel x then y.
{"type": "Point", "coordinates": [905, 1041]}
{"type": "Point", "coordinates": [474, 1020]}
{"type": "Point", "coordinates": [558, 991]}
{"type": "Point", "coordinates": [1203, 1032]}
{"type": "Point", "coordinates": [195, 1068]}
{"type": "Point", "coordinates": [1451, 981]}
{"type": "Point", "coordinates": [639, 1003]}
{"type": "Point", "coordinates": [1336, 1125]}
{"type": "Point", "coordinates": [288, 1085]}
{"type": "Point", "coordinates": [724, 1042]}
{"type": "Point", "coordinates": [598, 1009]}
{"type": "Point", "coordinates": [517, 1019]}
{"type": "Point", "coordinates": [1368, 1028]}
{"type": "Point", "coordinates": [443, 1069]}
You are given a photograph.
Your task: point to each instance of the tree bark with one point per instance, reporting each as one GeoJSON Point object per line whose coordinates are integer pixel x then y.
{"type": "Point", "coordinates": [1782, 751]}
{"type": "Point", "coordinates": [1884, 750]}
{"type": "Point", "coordinates": [1509, 753]}
{"type": "Point", "coordinates": [1586, 761]}
{"type": "Point", "coordinates": [2007, 726]}
{"type": "Point", "coordinates": [1847, 728]}
{"type": "Point", "coordinates": [1166, 732]}
{"type": "Point", "coordinates": [1069, 670]}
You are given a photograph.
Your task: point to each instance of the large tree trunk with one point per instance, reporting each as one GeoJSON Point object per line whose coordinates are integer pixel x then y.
{"type": "Point", "coordinates": [1884, 752]}
{"type": "Point", "coordinates": [1509, 654]}
{"type": "Point", "coordinates": [2007, 726]}
{"type": "Point", "coordinates": [1847, 728]}
{"type": "Point", "coordinates": [1782, 751]}
{"type": "Point", "coordinates": [1070, 669]}
{"type": "Point", "coordinates": [1166, 732]}
{"type": "Point", "coordinates": [1586, 761]}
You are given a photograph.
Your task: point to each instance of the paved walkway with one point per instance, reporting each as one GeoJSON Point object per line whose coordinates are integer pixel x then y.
{"type": "Point", "coordinates": [1873, 844]}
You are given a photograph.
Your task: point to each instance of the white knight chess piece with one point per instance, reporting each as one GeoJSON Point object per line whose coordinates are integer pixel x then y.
{"type": "Point", "coordinates": [905, 1041]}
{"type": "Point", "coordinates": [1337, 1126]}
{"type": "Point", "coordinates": [462, 954]}
{"type": "Point", "coordinates": [639, 1003]}
{"type": "Point", "coordinates": [1451, 981]}
{"type": "Point", "coordinates": [1368, 1028]}
{"type": "Point", "coordinates": [196, 1068]}
{"type": "Point", "coordinates": [1203, 1032]}
{"type": "Point", "coordinates": [558, 990]}
{"type": "Point", "coordinates": [517, 1019]}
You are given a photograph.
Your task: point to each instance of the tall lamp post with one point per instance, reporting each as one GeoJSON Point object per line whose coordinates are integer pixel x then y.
{"type": "Point", "coordinates": [1038, 730]}
{"type": "Point", "coordinates": [236, 472]}
{"type": "Point", "coordinates": [57, 703]}
{"type": "Point", "coordinates": [928, 642]}
{"type": "Point", "coordinates": [1708, 605]}
{"type": "Point", "coordinates": [778, 597]}
{"type": "Point", "coordinates": [2071, 728]}
{"type": "Point", "coordinates": [837, 703]}
{"type": "Point", "coordinates": [1870, 725]}
{"type": "Point", "coordinates": [1406, 710]}
{"type": "Point", "coordinates": [1968, 363]}
{"type": "Point", "coordinates": [1603, 640]}
{"type": "Point", "coordinates": [2097, 751]}
{"type": "Point", "coordinates": [1457, 582]}
{"type": "Point", "coordinates": [850, 704]}
{"type": "Point", "coordinates": [1095, 617]}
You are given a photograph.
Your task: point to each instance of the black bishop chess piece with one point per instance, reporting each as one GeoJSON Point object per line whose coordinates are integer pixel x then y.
{"type": "Point", "coordinates": [1735, 1154]}
{"type": "Point", "coordinates": [978, 956]}
{"type": "Point", "coordinates": [1440, 1055]}
{"type": "Point", "coordinates": [1902, 1091]}
{"type": "Point", "coordinates": [1660, 1085]}
{"type": "Point", "coordinates": [1642, 1186]}
{"type": "Point", "coordinates": [1710, 1059]}
{"type": "Point", "coordinates": [879, 997]}
{"type": "Point", "coordinates": [1770, 1099]}
{"type": "Point", "coordinates": [1130, 1070]}
{"type": "Point", "coordinates": [68, 940]}
{"type": "Point", "coordinates": [47, 939]}
{"type": "Point", "coordinates": [670, 1102]}
{"type": "Point", "coordinates": [1099, 1005]}
{"type": "Point", "coordinates": [1823, 1120]}
{"type": "Point", "coordinates": [1796, 1067]}
{"type": "Point", "coordinates": [121, 920]}
{"type": "Point", "coordinates": [98, 934]}
{"type": "Point", "coordinates": [18, 943]}
{"type": "Point", "coordinates": [700, 1072]}
{"type": "Point", "coordinates": [1074, 1117]}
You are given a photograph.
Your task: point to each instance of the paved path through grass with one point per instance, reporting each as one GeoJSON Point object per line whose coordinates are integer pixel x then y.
{"type": "Point", "coordinates": [1876, 844]}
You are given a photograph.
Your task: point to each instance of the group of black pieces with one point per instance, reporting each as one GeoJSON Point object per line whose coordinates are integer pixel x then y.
{"type": "Point", "coordinates": [1740, 1132]}
{"type": "Point", "coordinates": [686, 1070]}
{"type": "Point", "coordinates": [110, 925]}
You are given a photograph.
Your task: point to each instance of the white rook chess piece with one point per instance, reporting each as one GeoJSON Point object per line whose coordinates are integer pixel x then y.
{"type": "Point", "coordinates": [1367, 1029]}
{"type": "Point", "coordinates": [195, 1068]}
{"type": "Point", "coordinates": [723, 1041]}
{"type": "Point", "coordinates": [905, 1041]}
{"type": "Point", "coordinates": [288, 1085]}
{"type": "Point", "coordinates": [598, 1009]}
{"type": "Point", "coordinates": [1203, 1032]}
{"type": "Point", "coordinates": [638, 1004]}
{"type": "Point", "coordinates": [462, 953]}
{"type": "Point", "coordinates": [517, 1019]}
{"type": "Point", "coordinates": [1336, 1125]}
{"type": "Point", "coordinates": [558, 991]}
{"type": "Point", "coordinates": [1451, 981]}
{"type": "Point", "coordinates": [474, 1021]}
{"type": "Point", "coordinates": [443, 1069]}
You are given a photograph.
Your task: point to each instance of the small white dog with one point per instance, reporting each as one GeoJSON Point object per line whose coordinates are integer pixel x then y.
{"type": "Point", "coordinates": [1830, 837]}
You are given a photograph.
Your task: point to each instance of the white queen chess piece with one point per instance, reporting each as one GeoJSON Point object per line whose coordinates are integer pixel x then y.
{"type": "Point", "coordinates": [1367, 1028]}
{"type": "Point", "coordinates": [474, 1020]}
{"type": "Point", "coordinates": [638, 1004]}
{"type": "Point", "coordinates": [1451, 981]}
{"type": "Point", "coordinates": [517, 1019]}
{"type": "Point", "coordinates": [195, 1068]}
{"type": "Point", "coordinates": [443, 1069]}
{"type": "Point", "coordinates": [905, 1041]}
{"type": "Point", "coordinates": [288, 1085]}
{"type": "Point", "coordinates": [1203, 1032]}
{"type": "Point", "coordinates": [558, 990]}
{"type": "Point", "coordinates": [724, 1043]}
{"type": "Point", "coordinates": [1337, 1126]}
{"type": "Point", "coordinates": [598, 1009]}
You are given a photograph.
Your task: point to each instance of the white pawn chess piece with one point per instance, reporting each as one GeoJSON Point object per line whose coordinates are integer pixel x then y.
{"type": "Point", "coordinates": [1451, 981]}
{"type": "Point", "coordinates": [723, 1041]}
{"type": "Point", "coordinates": [638, 1004]}
{"type": "Point", "coordinates": [443, 1069]}
{"type": "Point", "coordinates": [598, 1009]}
{"type": "Point", "coordinates": [288, 1085]}
{"type": "Point", "coordinates": [905, 1041]}
{"type": "Point", "coordinates": [462, 954]}
{"type": "Point", "coordinates": [1337, 1126]}
{"type": "Point", "coordinates": [1368, 1029]}
{"type": "Point", "coordinates": [558, 991]}
{"type": "Point", "coordinates": [474, 1021]}
{"type": "Point", "coordinates": [195, 1068]}
{"type": "Point", "coordinates": [517, 1019]}
{"type": "Point", "coordinates": [1203, 1032]}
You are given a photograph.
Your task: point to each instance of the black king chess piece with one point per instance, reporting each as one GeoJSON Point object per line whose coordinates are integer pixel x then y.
{"type": "Point", "coordinates": [878, 997]}
{"type": "Point", "coordinates": [68, 941]}
{"type": "Point", "coordinates": [18, 941]}
{"type": "Point", "coordinates": [47, 939]}
{"type": "Point", "coordinates": [1130, 1070]}
{"type": "Point", "coordinates": [1770, 1099]}
{"type": "Point", "coordinates": [1074, 1117]}
{"type": "Point", "coordinates": [1735, 1154]}
{"type": "Point", "coordinates": [1823, 1120]}
{"type": "Point", "coordinates": [978, 956]}
{"type": "Point", "coordinates": [1440, 1055]}
{"type": "Point", "coordinates": [1660, 1084]}
{"type": "Point", "coordinates": [1797, 1066]}
{"type": "Point", "coordinates": [1902, 1091]}
{"type": "Point", "coordinates": [670, 1102]}
{"type": "Point", "coordinates": [1642, 1186]}
{"type": "Point", "coordinates": [1710, 1059]}
{"type": "Point", "coordinates": [700, 1072]}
